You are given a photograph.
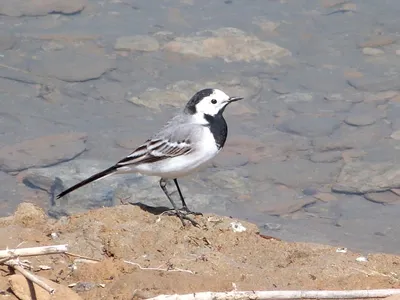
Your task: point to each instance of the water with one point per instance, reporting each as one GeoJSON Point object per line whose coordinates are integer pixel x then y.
{"type": "Point", "coordinates": [295, 104]}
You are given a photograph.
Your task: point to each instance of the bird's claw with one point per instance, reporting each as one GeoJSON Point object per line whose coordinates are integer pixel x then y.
{"type": "Point", "coordinates": [183, 214]}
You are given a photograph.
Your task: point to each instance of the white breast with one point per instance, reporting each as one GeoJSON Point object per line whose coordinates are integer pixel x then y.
{"type": "Point", "coordinates": [180, 166]}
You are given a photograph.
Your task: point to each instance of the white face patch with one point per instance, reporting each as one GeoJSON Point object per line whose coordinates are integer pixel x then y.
{"type": "Point", "coordinates": [212, 104]}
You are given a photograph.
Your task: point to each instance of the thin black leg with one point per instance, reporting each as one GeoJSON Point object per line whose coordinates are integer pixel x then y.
{"type": "Point", "coordinates": [180, 214]}
{"type": "Point", "coordinates": [184, 206]}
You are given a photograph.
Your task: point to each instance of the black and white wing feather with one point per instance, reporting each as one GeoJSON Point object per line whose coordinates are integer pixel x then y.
{"type": "Point", "coordinates": [154, 150]}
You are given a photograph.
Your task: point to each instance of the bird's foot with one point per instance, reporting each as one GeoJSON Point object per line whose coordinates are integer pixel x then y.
{"type": "Point", "coordinates": [182, 214]}
{"type": "Point", "coordinates": [189, 212]}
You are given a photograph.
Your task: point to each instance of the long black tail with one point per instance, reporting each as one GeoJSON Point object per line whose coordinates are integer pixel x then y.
{"type": "Point", "coordinates": [88, 180]}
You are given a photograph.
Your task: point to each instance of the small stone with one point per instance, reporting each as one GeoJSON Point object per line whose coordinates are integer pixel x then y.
{"type": "Point", "coordinates": [351, 137]}
{"type": "Point", "coordinates": [297, 205]}
{"type": "Point", "coordinates": [381, 97]}
{"type": "Point", "coordinates": [25, 290]}
{"type": "Point", "coordinates": [265, 24]}
{"type": "Point", "coordinates": [295, 173]}
{"type": "Point", "coordinates": [52, 46]}
{"type": "Point", "coordinates": [326, 197]}
{"type": "Point", "coordinates": [72, 65]}
{"type": "Point", "coordinates": [41, 152]}
{"type": "Point", "coordinates": [310, 126]}
{"type": "Point", "coordinates": [29, 215]}
{"type": "Point", "coordinates": [350, 155]}
{"type": "Point", "coordinates": [377, 41]}
{"type": "Point", "coordinates": [7, 41]}
{"type": "Point", "coordinates": [272, 226]}
{"type": "Point", "coordinates": [137, 43]}
{"type": "Point", "coordinates": [309, 191]}
{"type": "Point", "coordinates": [230, 44]}
{"type": "Point", "coordinates": [395, 135]}
{"type": "Point", "coordinates": [360, 120]}
{"type": "Point", "coordinates": [367, 177]}
{"type": "Point", "coordinates": [386, 197]}
{"type": "Point", "coordinates": [230, 160]}
{"type": "Point", "coordinates": [326, 157]}
{"type": "Point", "coordinates": [375, 85]}
{"type": "Point", "coordinates": [19, 8]}
{"type": "Point", "coordinates": [372, 51]}
{"type": "Point", "coordinates": [347, 97]}
{"type": "Point", "coordinates": [361, 259]}
{"type": "Point", "coordinates": [396, 191]}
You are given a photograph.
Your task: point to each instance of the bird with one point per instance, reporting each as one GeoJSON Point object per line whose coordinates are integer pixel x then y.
{"type": "Point", "coordinates": [185, 144]}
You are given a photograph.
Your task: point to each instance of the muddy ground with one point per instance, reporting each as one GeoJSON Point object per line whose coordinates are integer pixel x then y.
{"type": "Point", "coordinates": [167, 258]}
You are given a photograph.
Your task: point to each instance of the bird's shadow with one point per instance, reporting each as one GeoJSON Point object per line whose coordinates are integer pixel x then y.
{"type": "Point", "coordinates": [155, 210]}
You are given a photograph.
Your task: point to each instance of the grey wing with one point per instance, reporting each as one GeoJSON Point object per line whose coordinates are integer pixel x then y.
{"type": "Point", "coordinates": [170, 142]}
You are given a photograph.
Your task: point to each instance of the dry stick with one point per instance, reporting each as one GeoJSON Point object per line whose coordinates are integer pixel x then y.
{"type": "Point", "coordinates": [83, 257]}
{"type": "Point", "coordinates": [158, 268]}
{"type": "Point", "coordinates": [9, 253]}
{"type": "Point", "coordinates": [260, 295]}
{"type": "Point", "coordinates": [15, 263]}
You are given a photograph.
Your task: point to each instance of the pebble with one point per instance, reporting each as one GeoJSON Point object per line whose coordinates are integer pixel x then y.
{"type": "Point", "coordinates": [296, 173]}
{"type": "Point", "coordinates": [325, 197]}
{"type": "Point", "coordinates": [372, 51]}
{"type": "Point", "coordinates": [72, 65]}
{"type": "Point", "coordinates": [361, 177]}
{"type": "Point", "coordinates": [352, 138]}
{"type": "Point", "coordinates": [392, 115]}
{"type": "Point", "coordinates": [309, 191]}
{"type": "Point", "coordinates": [326, 157]}
{"type": "Point", "coordinates": [380, 98]}
{"type": "Point", "coordinates": [41, 152]}
{"type": "Point", "coordinates": [137, 43]}
{"type": "Point", "coordinates": [272, 226]}
{"type": "Point", "coordinates": [297, 205]}
{"type": "Point", "coordinates": [265, 24]}
{"type": "Point", "coordinates": [230, 160]}
{"type": "Point", "coordinates": [310, 126]}
{"type": "Point", "coordinates": [19, 8]}
{"type": "Point", "coordinates": [302, 98]}
{"type": "Point", "coordinates": [386, 197]}
{"type": "Point", "coordinates": [377, 41]}
{"type": "Point", "coordinates": [375, 85]}
{"type": "Point", "coordinates": [25, 290]}
{"type": "Point", "coordinates": [7, 41]}
{"type": "Point", "coordinates": [230, 44]}
{"type": "Point", "coordinates": [352, 97]}
{"type": "Point", "coordinates": [320, 107]}
{"type": "Point", "coordinates": [360, 120]}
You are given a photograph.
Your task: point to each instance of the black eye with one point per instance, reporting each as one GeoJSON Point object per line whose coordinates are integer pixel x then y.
{"type": "Point", "coordinates": [213, 101]}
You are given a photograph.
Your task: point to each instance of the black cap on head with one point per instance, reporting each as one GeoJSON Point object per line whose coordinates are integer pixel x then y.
{"type": "Point", "coordinates": [191, 105]}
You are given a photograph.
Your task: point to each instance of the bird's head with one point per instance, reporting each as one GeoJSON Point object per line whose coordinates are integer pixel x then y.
{"type": "Point", "coordinates": [209, 102]}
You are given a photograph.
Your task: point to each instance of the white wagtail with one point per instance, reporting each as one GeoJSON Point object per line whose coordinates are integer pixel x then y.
{"type": "Point", "coordinates": [186, 143]}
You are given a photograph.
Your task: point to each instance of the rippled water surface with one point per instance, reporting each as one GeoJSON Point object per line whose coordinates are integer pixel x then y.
{"type": "Point", "coordinates": [312, 153]}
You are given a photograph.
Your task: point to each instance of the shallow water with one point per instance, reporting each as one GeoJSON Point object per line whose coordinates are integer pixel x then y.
{"type": "Point", "coordinates": [333, 101]}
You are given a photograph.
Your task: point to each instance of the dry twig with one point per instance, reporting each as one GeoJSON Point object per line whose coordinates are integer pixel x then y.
{"type": "Point", "coordinates": [12, 253]}
{"type": "Point", "coordinates": [158, 268]}
{"type": "Point", "coordinates": [83, 257]}
{"type": "Point", "coordinates": [8, 258]}
{"type": "Point", "coordinates": [261, 295]}
{"type": "Point", "coordinates": [16, 264]}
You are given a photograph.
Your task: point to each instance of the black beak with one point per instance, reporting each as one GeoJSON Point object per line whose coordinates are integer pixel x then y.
{"type": "Point", "coordinates": [233, 99]}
